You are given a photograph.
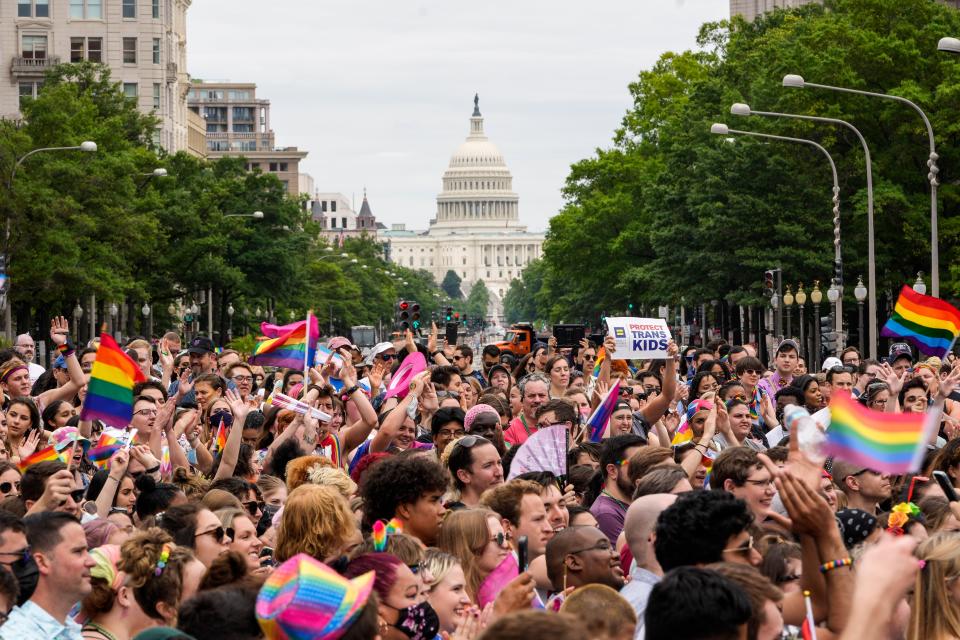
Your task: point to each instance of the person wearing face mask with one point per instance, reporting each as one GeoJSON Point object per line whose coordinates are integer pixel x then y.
{"type": "Point", "coordinates": [15, 555]}
{"type": "Point", "coordinates": [401, 612]}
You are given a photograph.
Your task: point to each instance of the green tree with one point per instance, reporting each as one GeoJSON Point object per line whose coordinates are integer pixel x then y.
{"type": "Point", "coordinates": [478, 301]}
{"type": "Point", "coordinates": [451, 285]}
{"type": "Point", "coordinates": [520, 301]}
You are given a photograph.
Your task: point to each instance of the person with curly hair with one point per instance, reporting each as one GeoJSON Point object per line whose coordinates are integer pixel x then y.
{"type": "Point", "coordinates": [407, 488]}
{"type": "Point", "coordinates": [110, 610]}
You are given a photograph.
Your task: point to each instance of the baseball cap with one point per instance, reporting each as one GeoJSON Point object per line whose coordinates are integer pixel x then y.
{"type": "Point", "coordinates": [305, 599]}
{"type": "Point", "coordinates": [788, 344]}
{"type": "Point", "coordinates": [830, 363]}
{"type": "Point", "coordinates": [201, 345]}
{"type": "Point", "coordinates": [339, 342]}
{"type": "Point", "coordinates": [900, 350]}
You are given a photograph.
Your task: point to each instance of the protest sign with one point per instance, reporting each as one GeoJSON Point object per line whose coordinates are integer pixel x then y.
{"type": "Point", "coordinates": [639, 338]}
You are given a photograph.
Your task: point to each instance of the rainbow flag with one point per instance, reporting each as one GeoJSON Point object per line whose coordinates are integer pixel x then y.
{"type": "Point", "coordinates": [601, 354]}
{"type": "Point", "coordinates": [291, 346]}
{"type": "Point", "coordinates": [597, 422]}
{"type": "Point", "coordinates": [43, 455]}
{"type": "Point", "coordinates": [931, 324]}
{"type": "Point", "coordinates": [221, 440]}
{"type": "Point", "coordinates": [110, 392]}
{"type": "Point", "coordinates": [110, 441]}
{"type": "Point", "coordinates": [882, 441]}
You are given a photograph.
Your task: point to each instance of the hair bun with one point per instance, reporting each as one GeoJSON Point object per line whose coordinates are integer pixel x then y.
{"type": "Point", "coordinates": [145, 483]}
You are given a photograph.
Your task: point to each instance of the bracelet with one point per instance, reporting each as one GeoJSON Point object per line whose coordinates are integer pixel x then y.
{"type": "Point", "coordinates": [112, 478]}
{"type": "Point", "coordinates": [435, 354]}
{"type": "Point", "coordinates": [352, 390]}
{"type": "Point", "coordinates": [157, 468]}
{"type": "Point", "coordinates": [836, 564]}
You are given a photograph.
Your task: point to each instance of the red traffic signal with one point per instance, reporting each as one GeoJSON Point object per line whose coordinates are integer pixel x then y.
{"type": "Point", "coordinates": [456, 315]}
{"type": "Point", "coordinates": [404, 305]}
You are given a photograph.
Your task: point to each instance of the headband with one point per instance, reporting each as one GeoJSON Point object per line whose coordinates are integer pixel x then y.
{"type": "Point", "coordinates": [9, 372]}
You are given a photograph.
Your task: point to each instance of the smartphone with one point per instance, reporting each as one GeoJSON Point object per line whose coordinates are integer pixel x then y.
{"type": "Point", "coordinates": [452, 329]}
{"type": "Point", "coordinates": [569, 335]}
{"type": "Point", "coordinates": [522, 553]}
{"type": "Point", "coordinates": [944, 481]}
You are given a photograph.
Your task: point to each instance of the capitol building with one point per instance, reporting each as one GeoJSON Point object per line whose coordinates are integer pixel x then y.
{"type": "Point", "coordinates": [476, 232]}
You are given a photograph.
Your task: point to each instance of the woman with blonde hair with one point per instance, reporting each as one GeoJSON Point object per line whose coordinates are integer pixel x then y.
{"type": "Point", "coordinates": [448, 592]}
{"type": "Point", "coordinates": [476, 538]}
{"type": "Point", "coordinates": [317, 521]}
{"type": "Point", "coordinates": [935, 609]}
{"type": "Point", "coordinates": [300, 469]}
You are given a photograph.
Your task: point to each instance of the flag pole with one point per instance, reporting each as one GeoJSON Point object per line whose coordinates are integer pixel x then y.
{"type": "Point", "coordinates": [949, 349]}
{"type": "Point", "coordinates": [306, 351]}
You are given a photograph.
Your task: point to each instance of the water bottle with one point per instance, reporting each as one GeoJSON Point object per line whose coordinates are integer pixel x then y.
{"type": "Point", "coordinates": [802, 426]}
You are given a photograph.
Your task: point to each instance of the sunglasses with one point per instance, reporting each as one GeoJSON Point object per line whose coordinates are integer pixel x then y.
{"type": "Point", "coordinates": [470, 441]}
{"type": "Point", "coordinates": [6, 487]}
{"type": "Point", "coordinates": [386, 356]}
{"type": "Point", "coordinates": [253, 506]}
{"type": "Point", "coordinates": [218, 534]}
{"type": "Point", "coordinates": [501, 539]}
{"type": "Point", "coordinates": [77, 495]}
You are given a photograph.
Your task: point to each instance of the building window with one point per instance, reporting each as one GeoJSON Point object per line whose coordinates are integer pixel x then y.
{"type": "Point", "coordinates": [156, 9]}
{"type": "Point", "coordinates": [283, 166]}
{"type": "Point", "coordinates": [130, 51]}
{"type": "Point", "coordinates": [333, 206]}
{"type": "Point", "coordinates": [333, 223]}
{"type": "Point", "coordinates": [29, 90]}
{"type": "Point", "coordinates": [77, 49]}
{"type": "Point", "coordinates": [156, 51]}
{"type": "Point", "coordinates": [86, 9]}
{"type": "Point", "coordinates": [156, 96]}
{"type": "Point", "coordinates": [34, 9]}
{"type": "Point", "coordinates": [323, 206]}
{"type": "Point", "coordinates": [34, 47]}
{"type": "Point", "coordinates": [130, 89]}
{"type": "Point", "coordinates": [95, 49]}
{"type": "Point", "coordinates": [273, 167]}
{"type": "Point", "coordinates": [343, 222]}
{"type": "Point", "coordinates": [129, 8]}
{"type": "Point", "coordinates": [24, 9]}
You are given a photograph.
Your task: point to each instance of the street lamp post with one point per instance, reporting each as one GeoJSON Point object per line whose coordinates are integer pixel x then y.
{"type": "Point", "coordinates": [920, 286]}
{"type": "Point", "coordinates": [797, 81]}
{"type": "Point", "coordinates": [86, 146]}
{"type": "Point", "coordinates": [148, 319]}
{"type": "Point", "coordinates": [113, 318]}
{"type": "Point", "coordinates": [801, 298]}
{"type": "Point", "coordinates": [834, 295]}
{"type": "Point", "coordinates": [860, 293]}
{"type": "Point", "coordinates": [816, 296]}
{"type": "Point", "coordinates": [740, 109]}
{"type": "Point", "coordinates": [787, 304]}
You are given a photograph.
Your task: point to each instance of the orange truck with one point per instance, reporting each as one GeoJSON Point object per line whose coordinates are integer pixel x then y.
{"type": "Point", "coordinates": [518, 341]}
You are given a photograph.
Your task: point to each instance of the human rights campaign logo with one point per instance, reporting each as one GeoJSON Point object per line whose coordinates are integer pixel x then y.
{"type": "Point", "coordinates": [619, 332]}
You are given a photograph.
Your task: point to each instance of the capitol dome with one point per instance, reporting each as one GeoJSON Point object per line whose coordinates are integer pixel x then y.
{"type": "Point", "coordinates": [477, 185]}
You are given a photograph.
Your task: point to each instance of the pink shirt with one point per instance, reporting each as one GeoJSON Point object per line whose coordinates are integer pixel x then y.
{"type": "Point", "coordinates": [517, 434]}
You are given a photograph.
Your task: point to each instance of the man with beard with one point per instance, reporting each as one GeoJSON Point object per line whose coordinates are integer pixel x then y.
{"type": "Point", "coordinates": [534, 391]}
{"type": "Point", "coordinates": [610, 507]}
{"type": "Point", "coordinates": [203, 359]}
{"type": "Point", "coordinates": [865, 488]}
{"type": "Point", "coordinates": [579, 556]}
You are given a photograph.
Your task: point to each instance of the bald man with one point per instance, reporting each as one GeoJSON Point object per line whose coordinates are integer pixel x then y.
{"type": "Point", "coordinates": [577, 556]}
{"type": "Point", "coordinates": [638, 527]}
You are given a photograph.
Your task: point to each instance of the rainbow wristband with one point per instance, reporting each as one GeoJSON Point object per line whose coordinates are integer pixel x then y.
{"type": "Point", "coordinates": [836, 564]}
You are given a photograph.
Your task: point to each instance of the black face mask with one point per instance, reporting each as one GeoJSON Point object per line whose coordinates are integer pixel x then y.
{"type": "Point", "coordinates": [27, 573]}
{"type": "Point", "coordinates": [419, 622]}
{"type": "Point", "coordinates": [266, 519]}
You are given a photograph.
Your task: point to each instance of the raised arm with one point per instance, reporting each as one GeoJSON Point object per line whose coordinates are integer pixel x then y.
{"type": "Point", "coordinates": [354, 435]}
{"type": "Point", "coordinates": [231, 450]}
{"type": "Point", "coordinates": [659, 405]}
{"type": "Point", "coordinates": [60, 336]}
{"type": "Point", "coordinates": [118, 467]}
{"type": "Point", "coordinates": [391, 426]}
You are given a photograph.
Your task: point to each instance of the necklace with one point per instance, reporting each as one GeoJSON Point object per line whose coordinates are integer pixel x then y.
{"type": "Point", "coordinates": [96, 628]}
{"type": "Point", "coordinates": [615, 499]}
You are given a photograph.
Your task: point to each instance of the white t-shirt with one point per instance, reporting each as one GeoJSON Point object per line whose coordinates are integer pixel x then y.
{"type": "Point", "coordinates": [35, 371]}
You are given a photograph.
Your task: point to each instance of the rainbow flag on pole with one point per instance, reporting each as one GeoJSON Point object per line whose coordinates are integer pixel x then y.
{"type": "Point", "coordinates": [597, 423]}
{"type": "Point", "coordinates": [110, 392]}
{"type": "Point", "coordinates": [292, 346]}
{"type": "Point", "coordinates": [111, 441]}
{"type": "Point", "coordinates": [878, 440]}
{"type": "Point", "coordinates": [221, 439]}
{"type": "Point", "coordinates": [931, 324]}
{"type": "Point", "coordinates": [43, 455]}
{"type": "Point", "coordinates": [601, 354]}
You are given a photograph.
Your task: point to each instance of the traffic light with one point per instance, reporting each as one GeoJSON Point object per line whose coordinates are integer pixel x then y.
{"type": "Point", "coordinates": [415, 316]}
{"type": "Point", "coordinates": [448, 316]}
{"type": "Point", "coordinates": [465, 319]}
{"type": "Point", "coordinates": [837, 273]}
{"type": "Point", "coordinates": [456, 316]}
{"type": "Point", "coordinates": [403, 315]}
{"type": "Point", "coordinates": [769, 285]}
{"type": "Point", "coordinates": [828, 337]}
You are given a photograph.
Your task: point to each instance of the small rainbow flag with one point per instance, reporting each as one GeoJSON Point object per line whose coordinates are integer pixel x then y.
{"type": "Point", "coordinates": [597, 422]}
{"type": "Point", "coordinates": [878, 440]}
{"type": "Point", "coordinates": [43, 455]}
{"type": "Point", "coordinates": [110, 441]}
{"type": "Point", "coordinates": [221, 440]}
{"type": "Point", "coordinates": [291, 346]}
{"type": "Point", "coordinates": [931, 324]}
{"type": "Point", "coordinates": [110, 392]}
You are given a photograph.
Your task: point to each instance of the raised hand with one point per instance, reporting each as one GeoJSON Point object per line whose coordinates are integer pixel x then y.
{"type": "Point", "coordinates": [949, 384]}
{"type": "Point", "coordinates": [28, 445]}
{"type": "Point", "coordinates": [238, 406]}
{"type": "Point", "coordinates": [184, 384]}
{"type": "Point", "coordinates": [377, 371]}
{"type": "Point", "coordinates": [59, 330]}
{"type": "Point", "coordinates": [673, 351]}
{"type": "Point", "coordinates": [119, 463]}
{"type": "Point", "coordinates": [432, 340]}
{"type": "Point", "coordinates": [609, 345]}
{"type": "Point", "coordinates": [348, 372]}
{"type": "Point", "coordinates": [165, 356]}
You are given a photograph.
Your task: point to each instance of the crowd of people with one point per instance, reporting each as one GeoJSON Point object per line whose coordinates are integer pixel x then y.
{"type": "Point", "coordinates": [385, 510]}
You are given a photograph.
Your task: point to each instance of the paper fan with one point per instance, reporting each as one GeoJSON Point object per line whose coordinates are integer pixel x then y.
{"type": "Point", "coordinates": [546, 450]}
{"type": "Point", "coordinates": [412, 365]}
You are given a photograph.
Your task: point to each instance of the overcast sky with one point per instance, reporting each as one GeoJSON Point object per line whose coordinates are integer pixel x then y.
{"type": "Point", "coordinates": [380, 92]}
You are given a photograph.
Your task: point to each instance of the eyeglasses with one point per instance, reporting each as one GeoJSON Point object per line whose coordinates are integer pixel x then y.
{"type": "Point", "coordinates": [386, 356]}
{"type": "Point", "coordinates": [448, 394]}
{"type": "Point", "coordinates": [23, 555]}
{"type": "Point", "coordinates": [242, 378]}
{"type": "Point", "coordinates": [147, 412]}
{"type": "Point", "coordinates": [218, 534]}
{"type": "Point", "coordinates": [760, 483]}
{"type": "Point", "coordinates": [446, 433]}
{"type": "Point", "coordinates": [746, 549]}
{"type": "Point", "coordinates": [252, 507]}
{"type": "Point", "coordinates": [5, 487]}
{"type": "Point", "coordinates": [458, 357]}
{"type": "Point", "coordinates": [602, 545]}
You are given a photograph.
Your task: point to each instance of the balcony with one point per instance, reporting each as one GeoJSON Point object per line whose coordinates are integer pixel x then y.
{"type": "Point", "coordinates": [32, 67]}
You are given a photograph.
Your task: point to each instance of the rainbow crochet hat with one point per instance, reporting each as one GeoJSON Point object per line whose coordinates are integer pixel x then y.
{"type": "Point", "coordinates": [304, 599]}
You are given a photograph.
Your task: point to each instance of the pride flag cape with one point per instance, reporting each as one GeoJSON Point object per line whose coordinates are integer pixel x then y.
{"type": "Point", "coordinates": [292, 346]}
{"type": "Point", "coordinates": [110, 392]}
{"type": "Point", "coordinates": [929, 323]}
{"type": "Point", "coordinates": [43, 455]}
{"type": "Point", "coordinates": [887, 442]}
{"type": "Point", "coordinates": [597, 423]}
